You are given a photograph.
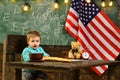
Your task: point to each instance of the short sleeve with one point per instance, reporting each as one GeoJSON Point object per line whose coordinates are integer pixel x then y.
{"type": "Point", "coordinates": [25, 55]}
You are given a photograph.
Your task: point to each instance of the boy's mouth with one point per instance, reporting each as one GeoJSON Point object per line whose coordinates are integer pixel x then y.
{"type": "Point", "coordinates": [35, 46]}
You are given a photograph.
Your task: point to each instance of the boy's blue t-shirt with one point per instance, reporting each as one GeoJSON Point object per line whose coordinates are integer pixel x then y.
{"type": "Point", "coordinates": [29, 50]}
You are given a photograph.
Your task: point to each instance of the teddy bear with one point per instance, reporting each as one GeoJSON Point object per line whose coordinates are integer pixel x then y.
{"type": "Point", "coordinates": [75, 52]}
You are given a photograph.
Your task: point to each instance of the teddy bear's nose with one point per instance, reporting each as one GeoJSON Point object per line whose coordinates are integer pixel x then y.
{"type": "Point", "coordinates": [75, 50]}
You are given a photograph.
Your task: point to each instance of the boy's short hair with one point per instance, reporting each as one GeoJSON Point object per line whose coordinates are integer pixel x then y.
{"type": "Point", "coordinates": [32, 33]}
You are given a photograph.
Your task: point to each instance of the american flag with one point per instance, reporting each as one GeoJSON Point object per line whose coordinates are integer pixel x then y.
{"type": "Point", "coordinates": [88, 24]}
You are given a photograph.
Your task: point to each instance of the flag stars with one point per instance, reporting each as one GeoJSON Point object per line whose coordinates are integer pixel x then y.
{"type": "Point", "coordinates": [74, 7]}
{"type": "Point", "coordinates": [86, 8]}
{"type": "Point", "coordinates": [77, 6]}
{"type": "Point", "coordinates": [93, 5]}
{"type": "Point", "coordinates": [89, 8]}
{"type": "Point", "coordinates": [86, 19]}
{"type": "Point", "coordinates": [93, 9]}
{"type": "Point", "coordinates": [73, 4]}
{"type": "Point", "coordinates": [89, 4]}
{"type": "Point", "coordinates": [89, 16]}
{"type": "Point", "coordinates": [81, 10]}
{"type": "Point", "coordinates": [85, 4]}
{"type": "Point", "coordinates": [76, 3]}
{"type": "Point", "coordinates": [89, 13]}
{"type": "Point", "coordinates": [84, 23]}
{"type": "Point", "coordinates": [81, 18]}
{"type": "Point", "coordinates": [97, 9]}
{"type": "Point", "coordinates": [93, 13]}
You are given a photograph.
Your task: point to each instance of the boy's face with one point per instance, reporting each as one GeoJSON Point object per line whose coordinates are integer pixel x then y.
{"type": "Point", "coordinates": [34, 42]}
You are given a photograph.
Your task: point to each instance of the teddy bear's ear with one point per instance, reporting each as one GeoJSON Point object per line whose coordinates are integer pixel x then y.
{"type": "Point", "coordinates": [78, 42]}
{"type": "Point", "coordinates": [72, 42]}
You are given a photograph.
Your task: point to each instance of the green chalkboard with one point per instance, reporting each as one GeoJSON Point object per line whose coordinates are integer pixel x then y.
{"type": "Point", "coordinates": [43, 18]}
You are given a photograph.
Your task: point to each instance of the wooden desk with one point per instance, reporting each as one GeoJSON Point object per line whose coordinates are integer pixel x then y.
{"type": "Point", "coordinates": [70, 69]}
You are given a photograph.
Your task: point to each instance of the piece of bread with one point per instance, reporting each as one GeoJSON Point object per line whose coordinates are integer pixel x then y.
{"type": "Point", "coordinates": [56, 59]}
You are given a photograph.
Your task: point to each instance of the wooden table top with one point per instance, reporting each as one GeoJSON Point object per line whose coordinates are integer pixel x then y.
{"type": "Point", "coordinates": [68, 65]}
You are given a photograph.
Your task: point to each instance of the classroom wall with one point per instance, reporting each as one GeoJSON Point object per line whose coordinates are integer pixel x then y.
{"type": "Point", "coordinates": [49, 22]}
{"type": "Point", "coordinates": [43, 18]}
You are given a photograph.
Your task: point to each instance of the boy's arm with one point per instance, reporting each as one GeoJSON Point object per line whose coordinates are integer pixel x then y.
{"type": "Point", "coordinates": [25, 55]}
{"type": "Point", "coordinates": [44, 53]}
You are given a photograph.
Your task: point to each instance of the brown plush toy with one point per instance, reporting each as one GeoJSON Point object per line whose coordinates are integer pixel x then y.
{"type": "Point", "coordinates": [75, 52]}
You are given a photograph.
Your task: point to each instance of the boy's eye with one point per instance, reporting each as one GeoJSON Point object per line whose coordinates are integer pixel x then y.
{"type": "Point", "coordinates": [37, 40]}
{"type": "Point", "coordinates": [33, 41]}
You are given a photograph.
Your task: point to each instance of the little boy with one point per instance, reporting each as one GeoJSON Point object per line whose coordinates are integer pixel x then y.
{"type": "Point", "coordinates": [33, 41]}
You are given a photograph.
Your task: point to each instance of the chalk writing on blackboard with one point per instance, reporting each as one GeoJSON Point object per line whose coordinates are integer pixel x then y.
{"type": "Point", "coordinates": [17, 9]}
{"type": "Point", "coordinates": [6, 17]}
